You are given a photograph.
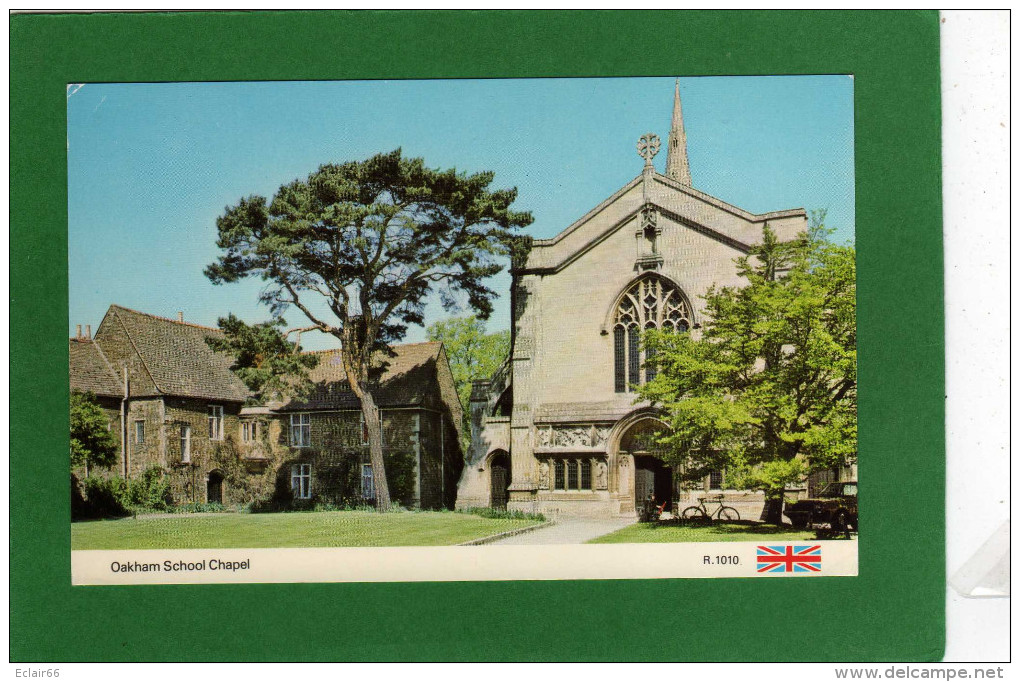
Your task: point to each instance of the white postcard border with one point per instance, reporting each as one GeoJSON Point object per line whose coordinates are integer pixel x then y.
{"type": "Point", "coordinates": [443, 564]}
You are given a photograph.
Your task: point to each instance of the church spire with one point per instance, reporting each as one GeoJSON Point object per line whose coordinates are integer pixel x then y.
{"type": "Point", "coordinates": [677, 166]}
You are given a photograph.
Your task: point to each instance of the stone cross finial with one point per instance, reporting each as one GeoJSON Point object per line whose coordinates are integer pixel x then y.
{"type": "Point", "coordinates": [648, 147]}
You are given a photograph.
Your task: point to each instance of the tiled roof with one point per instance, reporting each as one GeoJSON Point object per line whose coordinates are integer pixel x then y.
{"type": "Point", "coordinates": [90, 372]}
{"type": "Point", "coordinates": [405, 379]}
{"type": "Point", "coordinates": [178, 358]}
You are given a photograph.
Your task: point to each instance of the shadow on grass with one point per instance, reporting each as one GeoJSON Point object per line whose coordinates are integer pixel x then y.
{"type": "Point", "coordinates": [743, 528]}
{"type": "Point", "coordinates": [723, 527]}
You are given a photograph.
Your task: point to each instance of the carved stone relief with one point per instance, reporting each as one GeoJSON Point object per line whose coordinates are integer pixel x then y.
{"type": "Point", "coordinates": [623, 477]}
{"type": "Point", "coordinates": [543, 475]}
{"type": "Point", "coordinates": [575, 436]}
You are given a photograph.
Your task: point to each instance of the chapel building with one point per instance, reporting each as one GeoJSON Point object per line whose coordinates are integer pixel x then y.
{"type": "Point", "coordinates": [557, 429]}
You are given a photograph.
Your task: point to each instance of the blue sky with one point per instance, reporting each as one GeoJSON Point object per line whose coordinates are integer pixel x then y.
{"type": "Point", "coordinates": [151, 166]}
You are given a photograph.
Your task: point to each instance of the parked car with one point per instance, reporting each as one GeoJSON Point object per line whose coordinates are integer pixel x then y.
{"type": "Point", "coordinates": [836, 506]}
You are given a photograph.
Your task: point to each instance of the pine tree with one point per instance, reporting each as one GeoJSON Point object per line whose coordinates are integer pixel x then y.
{"type": "Point", "coordinates": [358, 247]}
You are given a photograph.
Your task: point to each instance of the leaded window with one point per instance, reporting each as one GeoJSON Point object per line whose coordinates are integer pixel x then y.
{"type": "Point", "coordinates": [620, 359]}
{"type": "Point", "coordinates": [249, 431]}
{"type": "Point", "coordinates": [215, 422]}
{"type": "Point", "coordinates": [633, 356]}
{"type": "Point", "coordinates": [185, 444]}
{"type": "Point", "coordinates": [301, 481]}
{"type": "Point", "coordinates": [650, 303]}
{"type": "Point", "coordinates": [300, 430]}
{"type": "Point", "coordinates": [649, 368]}
{"type": "Point", "coordinates": [572, 474]}
{"type": "Point", "coordinates": [367, 482]}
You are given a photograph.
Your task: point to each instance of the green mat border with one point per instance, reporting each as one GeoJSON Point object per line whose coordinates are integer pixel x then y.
{"type": "Point", "coordinates": [893, 611]}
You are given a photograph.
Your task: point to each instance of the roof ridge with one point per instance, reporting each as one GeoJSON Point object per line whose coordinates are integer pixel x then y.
{"type": "Point", "coordinates": [727, 206]}
{"type": "Point", "coordinates": [131, 340]}
{"type": "Point", "coordinates": [166, 319]}
{"type": "Point", "coordinates": [106, 361]}
{"type": "Point", "coordinates": [395, 345]}
{"type": "Point", "coordinates": [416, 343]}
{"type": "Point", "coordinates": [590, 214]}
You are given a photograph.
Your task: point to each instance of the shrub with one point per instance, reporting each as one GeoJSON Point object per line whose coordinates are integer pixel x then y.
{"type": "Point", "coordinates": [150, 491]}
{"type": "Point", "coordinates": [101, 498]}
{"type": "Point", "coordinates": [270, 506]}
{"type": "Point", "coordinates": [79, 507]}
{"type": "Point", "coordinates": [490, 513]}
{"type": "Point", "coordinates": [92, 443]}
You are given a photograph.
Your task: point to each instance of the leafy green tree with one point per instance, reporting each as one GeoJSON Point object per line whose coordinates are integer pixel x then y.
{"type": "Point", "coordinates": [473, 354]}
{"type": "Point", "coordinates": [92, 442]}
{"type": "Point", "coordinates": [768, 390]}
{"type": "Point", "coordinates": [358, 247]}
{"type": "Point", "coordinates": [268, 363]}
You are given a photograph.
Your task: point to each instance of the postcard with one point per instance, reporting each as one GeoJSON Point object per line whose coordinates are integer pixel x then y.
{"type": "Point", "coordinates": [462, 330]}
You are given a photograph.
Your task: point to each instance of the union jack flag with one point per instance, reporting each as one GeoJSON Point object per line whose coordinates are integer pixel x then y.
{"type": "Point", "coordinates": [789, 558]}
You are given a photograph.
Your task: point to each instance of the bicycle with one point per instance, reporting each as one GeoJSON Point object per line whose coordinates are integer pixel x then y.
{"type": "Point", "coordinates": [723, 513]}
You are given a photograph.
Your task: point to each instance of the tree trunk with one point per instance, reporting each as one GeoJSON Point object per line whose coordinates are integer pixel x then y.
{"type": "Point", "coordinates": [373, 426]}
{"type": "Point", "coordinates": [773, 512]}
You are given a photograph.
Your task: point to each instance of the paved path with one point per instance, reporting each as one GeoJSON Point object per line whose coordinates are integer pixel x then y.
{"type": "Point", "coordinates": [567, 531]}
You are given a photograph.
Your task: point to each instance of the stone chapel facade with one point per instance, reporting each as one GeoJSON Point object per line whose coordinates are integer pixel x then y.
{"type": "Point", "coordinates": [557, 429]}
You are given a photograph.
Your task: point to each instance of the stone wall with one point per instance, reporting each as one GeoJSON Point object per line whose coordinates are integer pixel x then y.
{"type": "Point", "coordinates": [188, 479]}
{"type": "Point", "coordinates": [146, 416]}
{"type": "Point", "coordinates": [413, 443]}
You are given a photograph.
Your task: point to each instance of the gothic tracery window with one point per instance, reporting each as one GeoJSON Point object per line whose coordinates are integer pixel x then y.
{"type": "Point", "coordinates": [650, 303]}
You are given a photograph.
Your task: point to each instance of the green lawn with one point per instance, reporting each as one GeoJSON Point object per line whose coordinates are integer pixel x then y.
{"type": "Point", "coordinates": [716, 532]}
{"type": "Point", "coordinates": [296, 529]}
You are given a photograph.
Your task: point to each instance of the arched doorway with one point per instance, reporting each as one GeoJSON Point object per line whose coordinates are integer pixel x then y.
{"type": "Point", "coordinates": [499, 478]}
{"type": "Point", "coordinates": [653, 478]}
{"type": "Point", "coordinates": [214, 488]}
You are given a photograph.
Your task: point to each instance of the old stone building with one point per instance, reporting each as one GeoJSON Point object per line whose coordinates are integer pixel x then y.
{"type": "Point", "coordinates": [175, 404]}
{"type": "Point", "coordinates": [421, 417]}
{"type": "Point", "coordinates": [172, 400]}
{"type": "Point", "coordinates": [557, 429]}
{"type": "Point", "coordinates": [92, 373]}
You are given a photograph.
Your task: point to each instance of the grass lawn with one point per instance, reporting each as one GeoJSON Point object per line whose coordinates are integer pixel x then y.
{"type": "Point", "coordinates": [715, 532]}
{"type": "Point", "coordinates": [295, 529]}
